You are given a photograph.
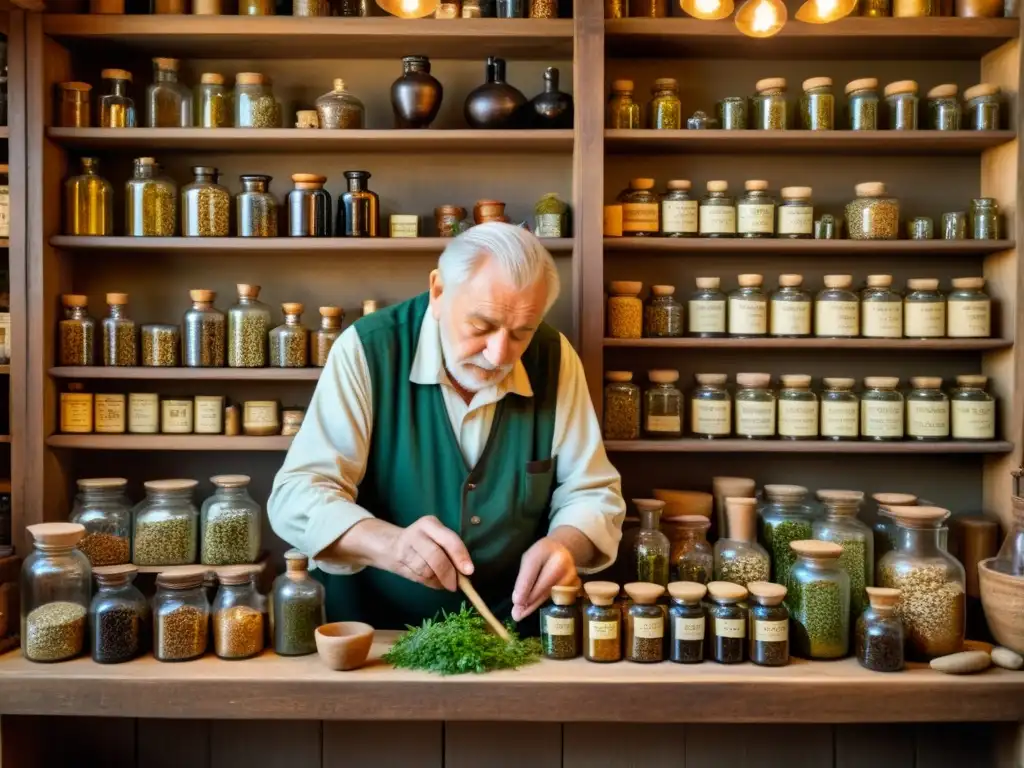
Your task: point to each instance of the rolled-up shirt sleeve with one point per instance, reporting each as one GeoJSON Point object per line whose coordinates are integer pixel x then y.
{"type": "Point", "coordinates": [588, 496]}
{"type": "Point", "coordinates": [313, 501]}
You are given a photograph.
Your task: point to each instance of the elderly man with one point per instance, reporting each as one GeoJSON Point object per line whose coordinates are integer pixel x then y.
{"type": "Point", "coordinates": [452, 433]}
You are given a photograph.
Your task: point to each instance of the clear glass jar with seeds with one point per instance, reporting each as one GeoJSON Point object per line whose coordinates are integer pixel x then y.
{"type": "Point", "coordinates": [237, 615]}
{"type": "Point", "coordinates": [622, 111]}
{"type": "Point", "coordinates": [560, 628]}
{"type": "Point", "coordinates": [117, 109]}
{"type": "Point", "coordinates": [640, 209]}
{"type": "Point", "coordinates": [289, 342]}
{"type": "Point", "coordinates": [213, 102]}
{"type": "Point", "coordinates": [88, 202]}
{"type": "Point", "coordinates": [729, 617]}
{"type": "Point", "coordinates": [205, 205]}
{"type": "Point", "coordinates": [818, 105]}
{"type": "Point", "coordinates": [663, 405]}
{"type": "Point", "coordinates": [645, 623]}
{"type": "Point", "coordinates": [56, 584]}
{"type": "Point", "coordinates": [769, 624]}
{"type": "Point", "coordinates": [983, 219]}
{"type": "Point", "coordinates": [795, 213]}
{"type": "Point", "coordinates": [862, 104]}
{"type": "Point", "coordinates": [927, 410]}
{"type": "Point", "coordinates": [755, 211]}
{"type": "Point", "coordinates": [873, 215]}
{"type": "Point", "coordinates": [323, 338]}
{"type": "Point", "coordinates": [181, 616]}
{"type": "Point", "coordinates": [648, 558]}
{"type": "Point", "coordinates": [798, 408]}
{"type": "Point", "coordinates": [602, 623]}
{"type": "Point", "coordinates": [818, 598]}
{"type": "Point", "coordinates": [924, 309]}
{"type": "Point", "coordinates": [621, 406]}
{"type": "Point", "coordinates": [77, 332]}
{"type": "Point", "coordinates": [119, 617]}
{"type": "Point", "coordinates": [732, 113]}
{"type": "Point", "coordinates": [168, 102]}
{"type": "Point", "coordinates": [160, 344]}
{"type": "Point", "coordinates": [256, 207]}
{"type": "Point", "coordinates": [691, 558]}
{"type": "Point", "coordinates": [790, 315]}
{"type": "Point", "coordinates": [881, 409]}
{"type": "Point", "coordinates": [297, 609]}
{"type": "Point", "coordinates": [944, 108]}
{"type": "Point", "coordinates": [954, 225]}
{"type": "Point", "coordinates": [687, 621]}
{"type": "Point", "coordinates": [707, 309]}
{"type": "Point", "coordinates": [881, 310]}
{"type": "Point", "coordinates": [783, 517]}
{"type": "Point", "coordinates": [973, 410]}
{"type": "Point", "coordinates": [884, 529]}
{"type": "Point", "coordinates": [663, 315]}
{"type": "Point", "coordinates": [840, 410]}
{"type": "Point", "coordinates": [968, 309]}
{"type": "Point", "coordinates": [837, 309]}
{"type": "Point", "coordinates": [679, 210]}
{"type": "Point", "coordinates": [878, 638]}
{"type": "Point", "coordinates": [230, 523]}
{"type": "Point", "coordinates": [664, 110]}
{"type": "Point", "coordinates": [166, 524]}
{"type": "Point", "coordinates": [755, 406]}
{"type": "Point", "coordinates": [102, 509]}
{"type": "Point", "coordinates": [738, 557]}
{"type": "Point", "coordinates": [711, 407]}
{"type": "Point", "coordinates": [255, 105]}
{"type": "Point", "coordinates": [748, 308]}
{"type": "Point", "coordinates": [309, 207]}
{"type": "Point", "coordinates": [119, 333]}
{"type": "Point", "coordinates": [340, 109]}
{"type": "Point", "coordinates": [982, 104]}
{"type": "Point", "coordinates": [203, 332]}
{"type": "Point", "coordinates": [768, 104]}
{"type": "Point", "coordinates": [920, 228]}
{"type": "Point", "coordinates": [248, 329]}
{"type": "Point", "coordinates": [901, 105]}
{"type": "Point", "coordinates": [841, 526]}
{"type": "Point", "coordinates": [717, 213]}
{"type": "Point", "coordinates": [930, 580]}
{"type": "Point", "coordinates": [151, 202]}
{"type": "Point", "coordinates": [625, 309]}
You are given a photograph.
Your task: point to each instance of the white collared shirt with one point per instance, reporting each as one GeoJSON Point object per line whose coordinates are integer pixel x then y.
{"type": "Point", "coordinates": [314, 499]}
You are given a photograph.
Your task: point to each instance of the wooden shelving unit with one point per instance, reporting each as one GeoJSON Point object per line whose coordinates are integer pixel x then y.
{"type": "Point", "coordinates": [827, 447]}
{"type": "Point", "coordinates": [169, 442]}
{"type": "Point", "coordinates": [243, 246]}
{"type": "Point", "coordinates": [839, 345]}
{"type": "Point", "coordinates": [921, 249]}
{"type": "Point", "coordinates": [142, 373]}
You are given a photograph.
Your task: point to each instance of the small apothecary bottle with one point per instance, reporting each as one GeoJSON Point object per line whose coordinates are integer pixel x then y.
{"type": "Point", "coordinates": [622, 111]}
{"type": "Point", "coordinates": [755, 211]}
{"type": "Point", "coordinates": [837, 309]}
{"type": "Point", "coordinates": [717, 213]}
{"type": "Point", "coordinates": [309, 207]}
{"type": "Point", "coordinates": [729, 617]}
{"type": "Point", "coordinates": [901, 104]}
{"type": "Point", "coordinates": [237, 615]}
{"type": "Point", "coordinates": [732, 113]}
{"type": "Point", "coordinates": [878, 638]}
{"type": "Point", "coordinates": [56, 582]}
{"type": "Point", "coordinates": [289, 342]}
{"type": "Point", "coordinates": [118, 616]}
{"type": "Point", "coordinates": [691, 557]}
{"type": "Point", "coordinates": [77, 331]}
{"type": "Point", "coordinates": [76, 409]}
{"type": "Point", "coordinates": [944, 108]}
{"type": "Point", "coordinates": [687, 622]}
{"type": "Point", "coordinates": [840, 410]}
{"type": "Point", "coordinates": [340, 109]}
{"type": "Point", "coordinates": [973, 409]}
{"type": "Point", "coordinates": [168, 102]}
{"type": "Point", "coordinates": [621, 406]}
{"type": "Point", "coordinates": [873, 215]}
{"type": "Point", "coordinates": [927, 410]}
{"type": "Point", "coordinates": [984, 219]}
{"type": "Point", "coordinates": [881, 409]}
{"type": "Point", "coordinates": [818, 105]}
{"type": "Point", "coordinates": [102, 509]}
{"type": "Point", "coordinates": [924, 310]}
{"type": "Point", "coordinates": [119, 346]}
{"type": "Point", "coordinates": [711, 407]}
{"type": "Point", "coordinates": [297, 607]}
{"type": "Point", "coordinates": [862, 104]}
{"type": "Point", "coordinates": [602, 623]}
{"type": "Point", "coordinates": [739, 558]}
{"type": "Point", "coordinates": [203, 332]}
{"type": "Point", "coordinates": [255, 105]}
{"type": "Point", "coordinates": [982, 102]}
{"type": "Point", "coordinates": [790, 315]}
{"type": "Point", "coordinates": [798, 408]}
{"type": "Point", "coordinates": [166, 524]}
{"type": "Point", "coordinates": [256, 207]}
{"type": "Point", "coordinates": [968, 309]}
{"type": "Point", "coordinates": [663, 315]}
{"type": "Point", "coordinates": [640, 208]}
{"type": "Point", "coordinates": [796, 213]}
{"type": "Point", "coordinates": [769, 624]}
{"type": "Point", "coordinates": [881, 311]}
{"type": "Point", "coordinates": [707, 309]}
{"type": "Point", "coordinates": [205, 205]}
{"type": "Point", "coordinates": [181, 616]}
{"type": "Point", "coordinates": [625, 309]}
{"type": "Point", "coordinates": [647, 560]}
{"type": "Point", "coordinates": [358, 208]}
{"type": "Point", "coordinates": [748, 308]}
{"type": "Point", "coordinates": [213, 102]}
{"type": "Point", "coordinates": [818, 598]}
{"type": "Point", "coordinates": [88, 202]}
{"type": "Point", "coordinates": [248, 326]}
{"type": "Point", "coordinates": [679, 210]}
{"type": "Point", "coordinates": [151, 202]}
{"type": "Point", "coordinates": [230, 523]}
{"type": "Point", "coordinates": [323, 338]}
{"type": "Point", "coordinates": [75, 110]}
{"type": "Point", "coordinates": [645, 623]}
{"type": "Point", "coordinates": [755, 406]}
{"type": "Point", "coordinates": [559, 625]}
{"type": "Point", "coordinates": [664, 111]}
{"type": "Point", "coordinates": [769, 105]}
{"type": "Point", "coordinates": [160, 345]}
{"type": "Point", "coordinates": [663, 405]}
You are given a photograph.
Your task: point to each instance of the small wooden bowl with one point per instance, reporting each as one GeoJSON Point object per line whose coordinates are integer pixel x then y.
{"type": "Point", "coordinates": [1002, 597]}
{"type": "Point", "coordinates": [344, 645]}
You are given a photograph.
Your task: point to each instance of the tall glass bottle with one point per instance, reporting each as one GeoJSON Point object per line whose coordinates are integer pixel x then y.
{"type": "Point", "coordinates": [297, 607]}
{"type": "Point", "coordinates": [358, 208]}
{"type": "Point", "coordinates": [248, 329]}
{"type": "Point", "coordinates": [77, 332]}
{"type": "Point", "coordinates": [117, 109]}
{"type": "Point", "coordinates": [841, 526]}
{"type": "Point", "coordinates": [784, 517]}
{"type": "Point", "coordinates": [622, 111]}
{"type": "Point", "coordinates": [818, 598]}
{"type": "Point", "coordinates": [323, 338]}
{"type": "Point", "coordinates": [202, 332]}
{"type": "Point", "coordinates": [739, 558]}
{"type": "Point", "coordinates": [88, 202]}
{"type": "Point", "coordinates": [119, 337]}
{"type": "Point", "coordinates": [168, 102]}
{"type": "Point", "coordinates": [649, 558]}
{"type": "Point", "coordinates": [289, 342]}
{"type": "Point", "coordinates": [205, 205]}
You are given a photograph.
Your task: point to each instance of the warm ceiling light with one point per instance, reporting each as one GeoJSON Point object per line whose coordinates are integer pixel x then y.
{"type": "Point", "coordinates": [824, 11]}
{"type": "Point", "coordinates": [409, 9]}
{"type": "Point", "coordinates": [707, 10]}
{"type": "Point", "coordinates": [761, 18]}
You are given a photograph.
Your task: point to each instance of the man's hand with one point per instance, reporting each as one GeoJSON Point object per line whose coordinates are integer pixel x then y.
{"type": "Point", "coordinates": [546, 564]}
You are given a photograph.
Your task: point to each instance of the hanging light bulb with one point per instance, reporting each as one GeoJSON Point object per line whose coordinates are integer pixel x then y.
{"type": "Point", "coordinates": [708, 10]}
{"type": "Point", "coordinates": [825, 11]}
{"type": "Point", "coordinates": [409, 9]}
{"type": "Point", "coordinates": [761, 18]}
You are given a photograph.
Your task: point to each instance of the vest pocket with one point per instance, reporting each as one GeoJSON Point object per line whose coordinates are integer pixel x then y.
{"type": "Point", "coordinates": [536, 488]}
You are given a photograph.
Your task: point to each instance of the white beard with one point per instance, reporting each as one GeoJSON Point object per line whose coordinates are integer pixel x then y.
{"type": "Point", "coordinates": [464, 377]}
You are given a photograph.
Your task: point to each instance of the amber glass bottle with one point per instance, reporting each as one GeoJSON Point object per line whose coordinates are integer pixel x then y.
{"type": "Point", "coordinates": [88, 202]}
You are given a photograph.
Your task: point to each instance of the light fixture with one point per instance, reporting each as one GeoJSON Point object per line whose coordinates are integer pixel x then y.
{"type": "Point", "coordinates": [761, 18]}
{"type": "Point", "coordinates": [825, 11]}
{"type": "Point", "coordinates": [409, 9]}
{"type": "Point", "coordinates": [708, 10]}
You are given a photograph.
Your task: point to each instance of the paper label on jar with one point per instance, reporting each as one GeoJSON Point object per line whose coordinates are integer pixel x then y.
{"type": "Point", "coordinates": [927, 419]}
{"type": "Point", "coordinates": [836, 318]}
{"type": "Point", "coordinates": [798, 418]}
{"type": "Point", "coordinates": [882, 319]}
{"type": "Point", "coordinates": [546, 225]}
{"type": "Point", "coordinates": [177, 416]}
{"type": "Point", "coordinates": [974, 421]}
{"type": "Point", "coordinates": [707, 316]}
{"type": "Point", "coordinates": [730, 628]}
{"type": "Point", "coordinates": [924, 319]}
{"type": "Point", "coordinates": [881, 418]}
{"type": "Point", "coordinates": [648, 629]}
{"type": "Point", "coordinates": [143, 413]}
{"type": "Point", "coordinates": [209, 416]}
{"type": "Point", "coordinates": [970, 319]}
{"type": "Point", "coordinates": [75, 412]}
{"type": "Point", "coordinates": [604, 630]}
{"type": "Point", "coordinates": [839, 419]}
{"type": "Point", "coordinates": [717, 220]}
{"type": "Point", "coordinates": [109, 413]}
{"type": "Point", "coordinates": [794, 220]}
{"type": "Point", "coordinates": [639, 217]}
{"type": "Point", "coordinates": [689, 629]}
{"type": "Point", "coordinates": [710, 417]}
{"type": "Point", "coordinates": [679, 216]}
{"type": "Point", "coordinates": [748, 318]}
{"type": "Point", "coordinates": [791, 318]}
{"type": "Point", "coordinates": [771, 631]}
{"type": "Point", "coordinates": [554, 625]}
{"type": "Point", "coordinates": [756, 219]}
{"type": "Point", "coordinates": [755, 419]}
{"type": "Point", "coordinates": [673, 424]}
{"type": "Point", "coordinates": [5, 210]}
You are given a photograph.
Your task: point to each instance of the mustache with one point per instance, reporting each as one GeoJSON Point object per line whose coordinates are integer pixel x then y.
{"type": "Point", "coordinates": [482, 362]}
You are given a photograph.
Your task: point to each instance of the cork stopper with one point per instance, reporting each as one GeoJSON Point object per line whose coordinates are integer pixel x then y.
{"type": "Point", "coordinates": [926, 382]}
{"type": "Point", "coordinates": [883, 599]}
{"type": "Point", "coordinates": [211, 78]}
{"type": "Point", "coordinates": [841, 498]}
{"type": "Point", "coordinates": [563, 595]}
{"type": "Point", "coordinates": [879, 281]}
{"type": "Point", "coordinates": [663, 376]}
{"type": "Point", "coordinates": [750, 281]}
{"type": "Point", "coordinates": [972, 380]}
{"type": "Point", "coordinates": [740, 513]}
{"type": "Point", "coordinates": [296, 564]}
{"type": "Point", "coordinates": [894, 499]}
{"type": "Point", "coordinates": [726, 592]}
{"type": "Point", "coordinates": [230, 481]}
{"type": "Point", "coordinates": [923, 284]}
{"type": "Point", "coordinates": [838, 281]}
{"type": "Point", "coordinates": [881, 382]}
{"type": "Point", "coordinates": [766, 593]}
{"type": "Point", "coordinates": [944, 91]}
{"type": "Point", "coordinates": [249, 78]}
{"type": "Point", "coordinates": [758, 380]}
{"type": "Point", "coordinates": [973, 283]}
{"type": "Point", "coordinates": [901, 86]}
{"type": "Point", "coordinates": [625, 287]}
{"type": "Point", "coordinates": [620, 377]}
{"type": "Point", "coordinates": [117, 299]}
{"type": "Point", "coordinates": [709, 283]}
{"type": "Point", "coordinates": [248, 291]}
{"type": "Point", "coordinates": [795, 380]}
{"type": "Point", "coordinates": [601, 592]}
{"type": "Point", "coordinates": [76, 86]}
{"type": "Point", "coordinates": [665, 84]}
{"type": "Point", "coordinates": [795, 193]}
{"type": "Point", "coordinates": [663, 290]}
{"type": "Point", "coordinates": [711, 379]}
{"type": "Point", "coordinates": [114, 575]}
{"type": "Point", "coordinates": [331, 312]}
{"type": "Point", "coordinates": [785, 492]}
{"type": "Point", "coordinates": [292, 308]}
{"type": "Point", "coordinates": [683, 184]}
{"type": "Point", "coordinates": [918, 517]}
{"type": "Point", "coordinates": [185, 578]}
{"type": "Point", "coordinates": [718, 186]}
{"type": "Point", "coordinates": [163, 486]}
{"type": "Point", "coordinates": [817, 82]}
{"type": "Point", "coordinates": [641, 183]}
{"type": "Point", "coordinates": [370, 306]}
{"type": "Point", "coordinates": [643, 592]}
{"type": "Point", "coordinates": [838, 382]}
{"type": "Point", "coordinates": [791, 281]}
{"type": "Point", "coordinates": [169, 65]}
{"type": "Point", "coordinates": [116, 74]}
{"type": "Point", "coordinates": [102, 483]}
{"type": "Point", "coordinates": [310, 180]}
{"type": "Point", "coordinates": [687, 591]}
{"type": "Point", "coordinates": [74, 300]}
{"type": "Point", "coordinates": [869, 189]}
{"type": "Point", "coordinates": [202, 295]}
{"type": "Point", "coordinates": [621, 86]}
{"type": "Point", "coordinates": [981, 89]}
{"type": "Point", "coordinates": [770, 84]}
{"type": "Point", "coordinates": [237, 574]}
{"type": "Point", "coordinates": [689, 522]}
{"type": "Point", "coordinates": [56, 534]}
{"type": "Point", "coordinates": [862, 84]}
{"type": "Point", "coordinates": [146, 160]}
{"type": "Point", "coordinates": [648, 505]}
{"type": "Point", "coordinates": [755, 185]}
{"type": "Point", "coordinates": [816, 550]}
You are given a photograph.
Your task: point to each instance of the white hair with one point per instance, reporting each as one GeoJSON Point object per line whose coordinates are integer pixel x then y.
{"type": "Point", "coordinates": [519, 254]}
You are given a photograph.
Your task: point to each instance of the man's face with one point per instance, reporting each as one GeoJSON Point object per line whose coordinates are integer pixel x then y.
{"type": "Point", "coordinates": [486, 325]}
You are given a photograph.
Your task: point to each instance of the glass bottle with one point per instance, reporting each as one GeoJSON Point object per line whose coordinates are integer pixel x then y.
{"type": "Point", "coordinates": [884, 529]}
{"type": "Point", "coordinates": [796, 214]}
{"type": "Point", "coordinates": [717, 211]}
{"type": "Point", "coordinates": [968, 309]}
{"type": "Point", "coordinates": [755, 406]}
{"type": "Point", "coordinates": [151, 202]}
{"type": "Point", "coordinates": [640, 208]}
{"type": "Point", "coordinates": [213, 102]}
{"type": "Point", "coordinates": [755, 211]}
{"type": "Point", "coordinates": [248, 326]}
{"type": "Point", "coordinates": [944, 108]}
{"type": "Point", "coordinates": [297, 607]}
{"type": "Point", "coordinates": [101, 508]}
{"type": "Point", "coordinates": [323, 338]}
{"type": "Point", "coordinates": [255, 105]}
{"type": "Point", "coordinates": [645, 623]}
{"type": "Point", "coordinates": [257, 8]}
{"type": "Point", "coordinates": [663, 405]}
{"type": "Point", "coordinates": [982, 102]}
{"type": "Point", "coordinates": [728, 614]}
{"type": "Point", "coordinates": [205, 205]}
{"type": "Point", "coordinates": [679, 217]}
{"type": "Point", "coordinates": [798, 408]}
{"type": "Point", "coordinates": [924, 310]}
{"type": "Point", "coordinates": [77, 332]}
{"type": "Point", "coordinates": [881, 311]}
{"type": "Point", "coordinates": [875, 9]}
{"type": "Point", "coordinates": [161, 344]}
{"type": "Point", "coordinates": [230, 523]}
{"type": "Point", "coordinates": [119, 347]}
{"type": "Point", "coordinates": [237, 615]}
{"type": "Point", "coordinates": [748, 308]}
{"type": "Point", "coordinates": [691, 558]}
{"type": "Point", "coordinates": [840, 410]}
{"type": "Point", "coordinates": [873, 215]}
{"type": "Point", "coordinates": [559, 625]}
{"type": "Point", "coordinates": [202, 339]}
{"type": "Point", "coordinates": [289, 342]}
{"type": "Point", "coordinates": [973, 410]}
{"type": "Point", "coordinates": [879, 638]}
{"type": "Point", "coordinates": [358, 208]}
{"type": "Point", "coordinates": [181, 616]}
{"type": "Point", "coordinates": [649, 558]}
{"type": "Point", "coordinates": [711, 407]}
{"type": "Point", "coordinates": [769, 624]}
{"type": "Point", "coordinates": [818, 105]}
{"type": "Point", "coordinates": [818, 598]}
{"type": "Point", "coordinates": [915, 8]}
{"type": "Point", "coordinates": [309, 207]}
{"type": "Point", "coordinates": [168, 102]}
{"type": "Point", "coordinates": [622, 111]}
{"type": "Point", "coordinates": [621, 406]}
{"type": "Point", "coordinates": [881, 409]}
{"type": "Point", "coordinates": [56, 583]}
{"type": "Point", "coordinates": [687, 622]}
{"type": "Point", "coordinates": [783, 517]}
{"type": "Point", "coordinates": [117, 110]}
{"type": "Point", "coordinates": [954, 225]}
{"type": "Point", "coordinates": [118, 616]}
{"type": "Point", "coordinates": [663, 315]}
{"type": "Point", "coordinates": [166, 524]}
{"type": "Point", "coordinates": [625, 309]}
{"type": "Point", "coordinates": [75, 111]}
{"type": "Point", "coordinates": [790, 315]}
{"type": "Point", "coordinates": [927, 410]}
{"type": "Point", "coordinates": [837, 309]}
{"type": "Point", "coordinates": [732, 113]}
{"type": "Point", "coordinates": [602, 623]}
{"type": "Point", "coordinates": [340, 109]}
{"type": "Point", "coordinates": [931, 583]}
{"type": "Point", "coordinates": [738, 557]}
{"type": "Point", "coordinates": [707, 309]}
{"type": "Point", "coordinates": [256, 207]}
{"type": "Point", "coordinates": [841, 526]}
{"type": "Point", "coordinates": [665, 111]}
{"type": "Point", "coordinates": [984, 219]}
{"type": "Point", "coordinates": [769, 105]}
{"type": "Point", "coordinates": [862, 104]}
{"type": "Point", "coordinates": [88, 202]}
{"type": "Point", "coordinates": [901, 101]}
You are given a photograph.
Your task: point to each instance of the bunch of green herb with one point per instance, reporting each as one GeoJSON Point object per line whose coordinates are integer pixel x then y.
{"type": "Point", "coordinates": [458, 643]}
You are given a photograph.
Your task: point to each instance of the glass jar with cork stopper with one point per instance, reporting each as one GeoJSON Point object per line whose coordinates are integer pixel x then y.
{"type": "Point", "coordinates": [323, 338]}
{"type": "Point", "coordinates": [230, 523]}
{"type": "Point", "coordinates": [973, 410]}
{"type": "Point", "coordinates": [924, 309]}
{"type": "Point", "coordinates": [840, 409]}
{"type": "Point", "coordinates": [645, 623]}
{"type": "Point", "coordinates": [711, 407]}
{"type": "Point", "coordinates": [205, 205]}
{"type": "Point", "coordinates": [717, 212]}
{"type": "Point", "coordinates": [77, 332]}
{"type": "Point", "coordinates": [621, 406]}
{"type": "Point", "coordinates": [769, 624]}
{"type": "Point", "coordinates": [340, 109]}
{"type": "Point", "coordinates": [687, 622]}
{"type": "Point", "coordinates": [602, 623]}
{"type": "Point", "coordinates": [560, 625]}
{"type": "Point", "coordinates": [648, 560]}
{"type": "Point", "coordinates": [679, 210]}
{"type": "Point", "coordinates": [927, 410]}
{"type": "Point", "coordinates": [784, 516]}
{"type": "Point", "coordinates": [663, 405]}
{"type": "Point", "coordinates": [256, 209]}
{"type": "Point", "coordinates": [151, 201]}
{"type": "Point", "coordinates": [202, 339]}
{"type": "Point", "coordinates": [884, 529]}
{"type": "Point", "coordinates": [118, 616]}
{"type": "Point", "coordinates": [968, 309]}
{"type": "Point", "coordinates": [748, 308]}
{"type": "Point", "coordinates": [944, 108]}
{"type": "Point", "coordinates": [168, 102]}
{"type": "Point", "coordinates": [296, 607]}
{"type": "Point", "coordinates": [289, 342]}
{"type": "Point", "coordinates": [119, 346]}
{"type": "Point", "coordinates": [663, 315]}
{"type": "Point", "coordinates": [901, 101]}
{"type": "Point", "coordinates": [862, 104]}
{"type": "Point", "coordinates": [309, 206]}
{"type": "Point", "coordinates": [729, 617]}
{"type": "Point", "coordinates": [738, 557]}
{"type": "Point", "coordinates": [622, 111]}
{"type": "Point", "coordinates": [837, 309]}
{"type": "Point", "coordinates": [237, 614]}
{"type": "Point", "coordinates": [842, 526]}
{"type": "Point", "coordinates": [798, 408]}
{"type": "Point", "coordinates": [982, 103]}
{"type": "Point", "coordinates": [707, 309]}
{"type": "Point", "coordinates": [878, 639]}
{"type": "Point", "coordinates": [255, 105]}
{"type": "Point", "coordinates": [755, 211]}
{"type": "Point", "coordinates": [665, 111]}
{"type": "Point", "coordinates": [213, 102]}
{"type": "Point", "coordinates": [101, 508]}
{"type": "Point", "coordinates": [818, 105]}
{"type": "Point", "coordinates": [166, 524]}
{"type": "Point", "coordinates": [640, 209]}
{"type": "Point", "coordinates": [691, 558]}
{"type": "Point", "coordinates": [873, 215]}
{"type": "Point", "coordinates": [755, 406]}
{"type": "Point", "coordinates": [625, 309]}
{"type": "Point", "coordinates": [818, 599]}
{"type": "Point", "coordinates": [248, 326]}
{"type": "Point", "coordinates": [769, 105]}
{"type": "Point", "coordinates": [795, 213]}
{"type": "Point", "coordinates": [881, 409]}
{"type": "Point", "coordinates": [181, 615]}
{"type": "Point", "coordinates": [791, 305]}
{"type": "Point", "coordinates": [881, 311]}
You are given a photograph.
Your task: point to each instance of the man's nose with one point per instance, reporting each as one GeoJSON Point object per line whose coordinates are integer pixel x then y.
{"type": "Point", "coordinates": [497, 351]}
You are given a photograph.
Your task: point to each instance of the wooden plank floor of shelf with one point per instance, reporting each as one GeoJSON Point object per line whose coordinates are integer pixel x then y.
{"type": "Point", "coordinates": [147, 373]}
{"type": "Point", "coordinates": [897, 345]}
{"type": "Point", "coordinates": [810, 247]}
{"type": "Point", "coordinates": [262, 564]}
{"type": "Point", "coordinates": [273, 245]}
{"type": "Point", "coordinates": [126, 442]}
{"type": "Point", "coordinates": [731, 445]}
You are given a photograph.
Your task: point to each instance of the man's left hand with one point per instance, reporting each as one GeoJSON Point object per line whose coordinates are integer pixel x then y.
{"type": "Point", "coordinates": [546, 564]}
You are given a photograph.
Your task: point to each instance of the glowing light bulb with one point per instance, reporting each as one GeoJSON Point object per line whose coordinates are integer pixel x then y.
{"type": "Point", "coordinates": [409, 9]}
{"type": "Point", "coordinates": [761, 18]}
{"type": "Point", "coordinates": [708, 10]}
{"type": "Point", "coordinates": [825, 11]}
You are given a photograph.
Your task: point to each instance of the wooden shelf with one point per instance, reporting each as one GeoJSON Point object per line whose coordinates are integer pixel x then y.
{"type": "Point", "coordinates": [5, 370]}
{"type": "Point", "coordinates": [145, 373]}
{"type": "Point", "coordinates": [262, 563]}
{"type": "Point", "coordinates": [128, 442]}
{"type": "Point", "coordinates": [850, 39]}
{"type": "Point", "coordinates": [288, 37]}
{"type": "Point", "coordinates": [895, 345]}
{"type": "Point", "coordinates": [5, 242]}
{"type": "Point", "coordinates": [5, 438]}
{"type": "Point", "coordinates": [5, 132]}
{"type": "Point", "coordinates": [693, 445]}
{"type": "Point", "coordinates": [864, 143]}
{"type": "Point", "coordinates": [249, 140]}
{"type": "Point", "coordinates": [781, 246]}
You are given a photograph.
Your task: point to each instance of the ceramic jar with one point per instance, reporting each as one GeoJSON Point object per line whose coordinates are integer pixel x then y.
{"type": "Point", "coordinates": [551, 108]}
{"type": "Point", "coordinates": [489, 210]}
{"type": "Point", "coordinates": [495, 104]}
{"type": "Point", "coordinates": [416, 96]}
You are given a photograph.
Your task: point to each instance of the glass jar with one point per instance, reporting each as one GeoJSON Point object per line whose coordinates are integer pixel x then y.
{"type": "Point", "coordinates": [798, 408]}
{"type": "Point", "coordinates": [729, 617]}
{"type": "Point", "coordinates": [840, 410]}
{"type": "Point", "coordinates": [602, 623]}
{"type": "Point", "coordinates": [160, 345]}
{"type": "Point", "coordinates": [881, 409]}
{"type": "Point", "coordinates": [687, 622]}
{"type": "Point", "coordinates": [691, 558]}
{"type": "Point", "coordinates": [954, 225]}
{"type": "Point", "coordinates": [88, 202]}
{"type": "Point", "coordinates": [769, 105]}
{"type": "Point", "coordinates": [841, 526]}
{"type": "Point", "coordinates": [818, 105]}
{"type": "Point", "coordinates": [256, 8]}
{"type": "Point", "coordinates": [203, 332]}
{"type": "Point", "coordinates": [878, 638]}
{"type": "Point", "coordinates": [663, 405]}
{"type": "Point", "coordinates": [915, 8]}
{"type": "Point", "coordinates": [769, 624]}
{"type": "Point", "coordinates": [920, 228]}
{"type": "Point", "coordinates": [358, 208]}
{"type": "Point", "coordinates": [75, 110]}
{"type": "Point", "coordinates": [550, 216]}
{"type": "Point", "coordinates": [707, 309]}
{"type": "Point", "coordinates": [665, 111]}
{"type": "Point", "coordinates": [931, 583]}
{"type": "Point", "coordinates": [982, 102]}
{"type": "Point", "coordinates": [322, 339]}
{"type": "Point", "coordinates": [640, 208]}
{"type": "Point", "coordinates": [651, 9]}
{"type": "Point", "coordinates": [248, 326]}
{"type": "Point", "coordinates": [77, 331]}
{"type": "Point", "coordinates": [297, 607]}
{"type": "Point", "coordinates": [663, 315]}
{"type": "Point", "coordinates": [739, 558]}
{"type": "Point", "coordinates": [881, 311]}
{"type": "Point", "coordinates": [257, 209]}
{"type": "Point", "coordinates": [862, 104]}
{"type": "Point", "coordinates": [984, 219]}
{"type": "Point", "coordinates": [901, 102]}
{"type": "Point", "coordinates": [621, 406]}
{"type": "Point", "coordinates": [151, 202]}
{"type": "Point", "coordinates": [755, 406]}
{"type": "Point", "coordinates": [181, 615]}
{"type": "Point", "coordinates": [755, 211]}
{"type": "Point", "coordinates": [927, 410]}
{"type": "Point", "coordinates": [119, 333]}
{"type": "Point", "coordinates": [559, 625]}
{"type": "Point", "coordinates": [255, 105]}
{"type": "Point", "coordinates": [783, 517]}
{"type": "Point", "coordinates": [876, 9]}
{"type": "Point", "coordinates": [924, 310]}
{"type": "Point", "coordinates": [884, 529]}
{"type": "Point", "coordinates": [796, 214]}
{"type": "Point", "coordinates": [649, 558]}
{"type": "Point", "coordinates": [309, 207]}
{"type": "Point", "coordinates": [873, 215]}
{"type": "Point", "coordinates": [790, 314]}
{"type": "Point", "coordinates": [748, 308]}
{"type": "Point", "coordinates": [711, 407]}
{"type": "Point", "coordinates": [56, 584]}
{"type": "Point", "coordinates": [289, 342]}
{"type": "Point", "coordinates": [622, 111]}
{"type": "Point", "coordinates": [118, 616]}
{"type": "Point", "coordinates": [168, 102]}
{"type": "Point", "coordinates": [837, 309]}
{"type": "Point", "coordinates": [230, 523]}
{"type": "Point", "coordinates": [818, 598]}
{"type": "Point", "coordinates": [717, 211]}
{"type": "Point", "coordinates": [968, 309]}
{"type": "Point", "coordinates": [213, 102]}
{"type": "Point", "coordinates": [340, 109]}
{"type": "Point", "coordinates": [205, 205]}
{"type": "Point", "coordinates": [944, 108]}
{"type": "Point", "coordinates": [973, 410]}
{"type": "Point", "coordinates": [166, 524]}
{"type": "Point", "coordinates": [237, 615]}
{"type": "Point", "coordinates": [732, 113]}
{"type": "Point", "coordinates": [101, 508]}
{"type": "Point", "coordinates": [645, 623]}
{"type": "Point", "coordinates": [679, 210]}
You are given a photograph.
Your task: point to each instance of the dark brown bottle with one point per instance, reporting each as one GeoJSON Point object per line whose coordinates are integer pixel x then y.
{"type": "Point", "coordinates": [551, 108]}
{"type": "Point", "coordinates": [416, 95]}
{"type": "Point", "coordinates": [358, 208]}
{"type": "Point", "coordinates": [495, 104]}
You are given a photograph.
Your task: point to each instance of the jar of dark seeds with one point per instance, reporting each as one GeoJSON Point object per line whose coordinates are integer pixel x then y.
{"type": "Point", "coordinates": [924, 309]}
{"type": "Point", "coordinates": [77, 332]}
{"type": "Point", "coordinates": [791, 304]}
{"type": "Point", "coordinates": [732, 113]}
{"type": "Point", "coordinates": [622, 111]}
{"type": "Point", "coordinates": [181, 616]}
{"type": "Point", "coordinates": [840, 409]}
{"type": "Point", "coordinates": [982, 102]}
{"type": "Point", "coordinates": [323, 338]}
{"type": "Point", "coordinates": [878, 638]}
{"type": "Point", "coordinates": [687, 622]}
{"type": "Point", "coordinates": [818, 105]}
{"type": "Point", "coordinates": [755, 406]}
{"type": "Point", "coordinates": [205, 205]}
{"type": "Point", "coordinates": [257, 209]}
{"type": "Point", "coordinates": [289, 342]}
{"type": "Point", "coordinates": [255, 105]}
{"type": "Point", "coordinates": [663, 405]}
{"type": "Point", "coordinates": [102, 509]}
{"type": "Point", "coordinates": [818, 598]}
{"type": "Point", "coordinates": [160, 345]}
{"type": "Point", "coordinates": [151, 202]}
{"type": "Point", "coordinates": [901, 104]}
{"type": "Point", "coordinates": [795, 213]}
{"type": "Point", "coordinates": [664, 111]}
{"type": "Point", "coordinates": [118, 616]}
{"type": "Point", "coordinates": [717, 213]}
{"type": "Point", "coordinates": [119, 333]}
{"type": "Point", "coordinates": [230, 523]}
{"type": "Point", "coordinates": [237, 615]}
{"type": "Point", "coordinates": [203, 332]}
{"type": "Point", "coordinates": [984, 219]}
{"type": "Point", "coordinates": [944, 108]}
{"type": "Point", "coordinates": [663, 316]}
{"type": "Point", "coordinates": [679, 210]}
{"type": "Point", "coordinates": [873, 215]}
{"type": "Point", "coordinates": [645, 623]}
{"type": "Point", "coordinates": [728, 615]}
{"type": "Point", "coordinates": [755, 211]}
{"type": "Point", "coordinates": [166, 524]}
{"type": "Point", "coordinates": [837, 309]}
{"type": "Point", "coordinates": [881, 409]}
{"type": "Point", "coordinates": [297, 607]}
{"type": "Point", "coordinates": [621, 406]}
{"type": "Point", "coordinates": [602, 623]}
{"type": "Point", "coordinates": [881, 310]}
{"type": "Point", "coordinates": [340, 109]}
{"type": "Point", "coordinates": [248, 329]}
{"type": "Point", "coordinates": [769, 625]}
{"type": "Point", "coordinates": [560, 629]}
{"type": "Point", "coordinates": [769, 105]}
{"type": "Point", "coordinates": [862, 104]}
{"type": "Point", "coordinates": [711, 407]}
{"type": "Point", "coordinates": [707, 309]}
{"type": "Point", "coordinates": [309, 207]}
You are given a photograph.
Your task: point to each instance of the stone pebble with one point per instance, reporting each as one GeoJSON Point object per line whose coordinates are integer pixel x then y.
{"type": "Point", "coordinates": [1007, 659]}
{"type": "Point", "coordinates": [963, 663]}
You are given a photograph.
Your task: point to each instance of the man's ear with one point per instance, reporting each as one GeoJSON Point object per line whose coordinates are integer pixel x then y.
{"type": "Point", "coordinates": [436, 289]}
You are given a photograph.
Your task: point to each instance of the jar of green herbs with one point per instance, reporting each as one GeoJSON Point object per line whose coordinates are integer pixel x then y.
{"type": "Point", "coordinates": [927, 410]}
{"type": "Point", "coordinates": [881, 409]}
{"type": "Point", "coordinates": [550, 216]}
{"type": "Point", "coordinates": [718, 211]}
{"type": "Point", "coordinates": [663, 405]}
{"type": "Point", "coordinates": [984, 219]}
{"type": "Point", "coordinates": [663, 315]}
{"type": "Point", "coordinates": [770, 109]}
{"type": "Point", "coordinates": [818, 598]}
{"type": "Point", "coordinates": [798, 408]}
{"type": "Point", "coordinates": [739, 558]}
{"type": "Point", "coordinates": [755, 211]}
{"type": "Point", "coordinates": [973, 410]}
{"type": "Point", "coordinates": [622, 111]}
{"type": "Point", "coordinates": [297, 607]}
{"type": "Point", "coordinates": [560, 625]}
{"type": "Point", "coordinates": [621, 406]}
{"type": "Point", "coordinates": [982, 102]}
{"type": "Point", "coordinates": [901, 105]}
{"type": "Point", "coordinates": [648, 560]}
{"type": "Point", "coordinates": [665, 111]}
{"type": "Point", "coordinates": [944, 108]}
{"type": "Point", "coordinates": [783, 517]}
{"type": "Point", "coordinates": [818, 105]}
{"type": "Point", "coordinates": [881, 309]}
{"type": "Point", "coordinates": [862, 104]}
{"type": "Point", "coordinates": [769, 624]}
{"type": "Point", "coordinates": [841, 526]}
{"type": "Point", "coordinates": [968, 309]}
{"type": "Point", "coordinates": [924, 309]}
{"type": "Point", "coordinates": [755, 406]}
{"type": "Point", "coordinates": [732, 113]}
{"type": "Point", "coordinates": [790, 313]}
